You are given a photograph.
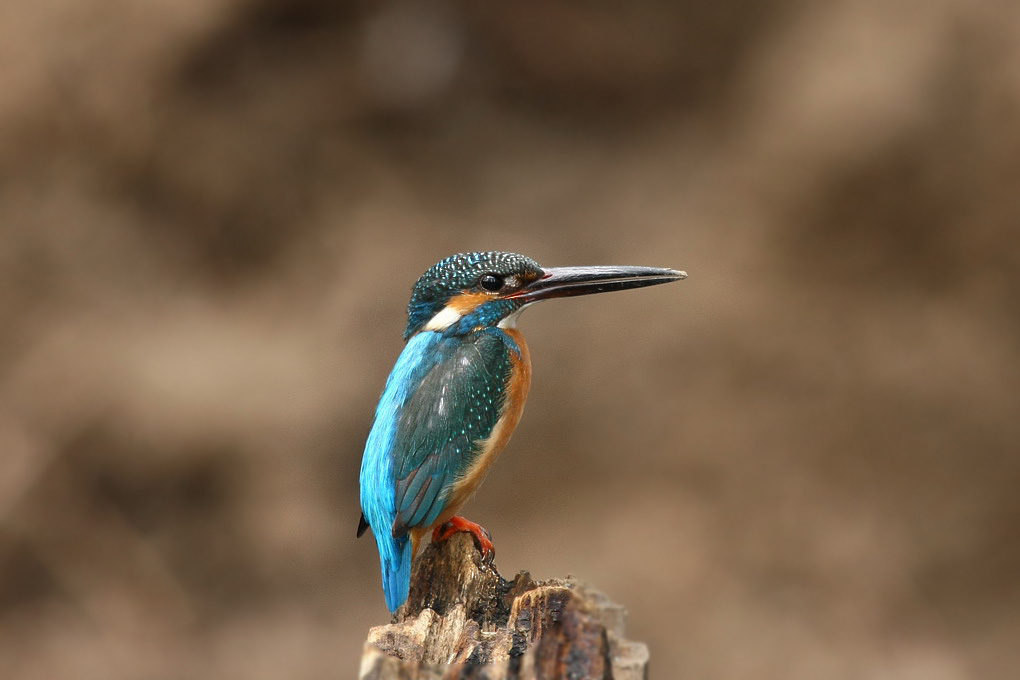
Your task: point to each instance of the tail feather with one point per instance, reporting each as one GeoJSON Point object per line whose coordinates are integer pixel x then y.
{"type": "Point", "coordinates": [396, 560]}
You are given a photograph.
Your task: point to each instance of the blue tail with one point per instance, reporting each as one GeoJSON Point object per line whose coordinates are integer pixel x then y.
{"type": "Point", "coordinates": [395, 556]}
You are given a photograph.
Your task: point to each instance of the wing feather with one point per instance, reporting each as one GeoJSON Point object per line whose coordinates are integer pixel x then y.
{"type": "Point", "coordinates": [455, 407]}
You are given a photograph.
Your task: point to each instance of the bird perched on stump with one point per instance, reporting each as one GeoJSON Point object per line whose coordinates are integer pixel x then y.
{"type": "Point", "coordinates": [456, 394]}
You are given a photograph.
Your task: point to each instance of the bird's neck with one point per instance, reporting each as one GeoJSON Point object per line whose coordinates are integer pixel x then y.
{"type": "Point", "coordinates": [467, 314]}
{"type": "Point", "coordinates": [519, 347]}
{"type": "Point", "coordinates": [511, 336]}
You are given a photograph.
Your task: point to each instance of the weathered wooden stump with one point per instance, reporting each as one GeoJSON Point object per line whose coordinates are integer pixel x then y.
{"type": "Point", "coordinates": [464, 620]}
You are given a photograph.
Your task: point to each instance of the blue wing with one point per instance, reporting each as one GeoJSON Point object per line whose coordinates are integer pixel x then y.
{"type": "Point", "coordinates": [455, 406]}
{"type": "Point", "coordinates": [444, 395]}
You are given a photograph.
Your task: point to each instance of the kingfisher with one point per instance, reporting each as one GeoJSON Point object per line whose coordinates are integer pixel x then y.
{"type": "Point", "coordinates": [455, 395]}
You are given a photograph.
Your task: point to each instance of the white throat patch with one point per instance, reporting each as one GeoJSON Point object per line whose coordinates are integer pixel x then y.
{"type": "Point", "coordinates": [510, 321]}
{"type": "Point", "coordinates": [443, 319]}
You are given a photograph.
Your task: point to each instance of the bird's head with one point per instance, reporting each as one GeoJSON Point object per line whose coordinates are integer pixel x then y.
{"type": "Point", "coordinates": [470, 291]}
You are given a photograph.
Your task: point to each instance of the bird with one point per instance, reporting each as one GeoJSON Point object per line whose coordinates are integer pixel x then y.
{"type": "Point", "coordinates": [455, 395]}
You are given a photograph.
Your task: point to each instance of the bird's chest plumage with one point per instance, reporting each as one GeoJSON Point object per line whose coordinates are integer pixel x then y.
{"type": "Point", "coordinates": [515, 393]}
{"type": "Point", "coordinates": [449, 407]}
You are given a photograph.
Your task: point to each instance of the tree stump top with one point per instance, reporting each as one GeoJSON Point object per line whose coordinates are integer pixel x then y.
{"type": "Point", "coordinates": [462, 619]}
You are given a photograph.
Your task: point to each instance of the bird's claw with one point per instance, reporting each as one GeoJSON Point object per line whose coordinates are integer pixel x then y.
{"type": "Point", "coordinates": [483, 539]}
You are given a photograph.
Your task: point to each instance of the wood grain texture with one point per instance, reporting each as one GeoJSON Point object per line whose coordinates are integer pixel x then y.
{"type": "Point", "coordinates": [463, 620]}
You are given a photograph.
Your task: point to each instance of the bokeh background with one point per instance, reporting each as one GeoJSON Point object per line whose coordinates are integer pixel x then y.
{"type": "Point", "coordinates": [800, 463]}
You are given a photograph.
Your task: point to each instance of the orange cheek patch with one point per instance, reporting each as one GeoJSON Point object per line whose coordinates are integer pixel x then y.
{"type": "Point", "coordinates": [465, 303]}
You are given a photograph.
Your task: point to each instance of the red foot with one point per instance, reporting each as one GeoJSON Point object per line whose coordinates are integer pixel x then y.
{"type": "Point", "coordinates": [457, 524]}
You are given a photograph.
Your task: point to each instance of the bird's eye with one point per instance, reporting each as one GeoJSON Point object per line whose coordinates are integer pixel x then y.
{"type": "Point", "coordinates": [491, 282]}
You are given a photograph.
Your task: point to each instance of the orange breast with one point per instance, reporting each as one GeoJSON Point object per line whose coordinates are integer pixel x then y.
{"type": "Point", "coordinates": [517, 394]}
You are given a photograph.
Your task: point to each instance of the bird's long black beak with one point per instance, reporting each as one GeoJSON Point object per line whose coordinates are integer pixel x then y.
{"type": "Point", "coordinates": [569, 281]}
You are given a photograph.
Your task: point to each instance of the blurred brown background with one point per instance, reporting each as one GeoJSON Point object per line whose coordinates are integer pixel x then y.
{"type": "Point", "coordinates": [800, 463]}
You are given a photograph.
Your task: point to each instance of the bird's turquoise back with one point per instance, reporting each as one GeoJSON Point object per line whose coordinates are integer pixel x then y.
{"type": "Point", "coordinates": [442, 399]}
